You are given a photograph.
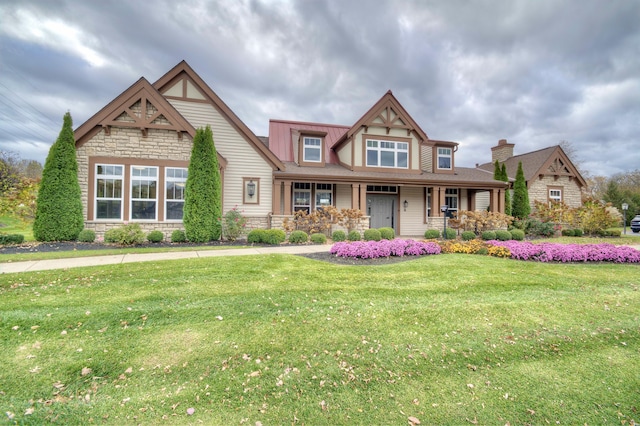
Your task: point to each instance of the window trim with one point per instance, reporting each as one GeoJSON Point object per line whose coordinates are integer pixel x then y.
{"type": "Point", "coordinates": [310, 134]}
{"type": "Point", "coordinates": [167, 200]}
{"type": "Point", "coordinates": [451, 195]}
{"type": "Point", "coordinates": [132, 198]}
{"type": "Point", "coordinates": [379, 149]}
{"type": "Point", "coordinates": [96, 177]}
{"type": "Point", "coordinates": [449, 156]}
{"type": "Point", "coordinates": [313, 147]}
{"type": "Point", "coordinates": [553, 199]}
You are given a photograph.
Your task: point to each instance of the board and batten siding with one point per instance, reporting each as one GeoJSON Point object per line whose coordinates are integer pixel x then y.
{"type": "Point", "coordinates": [243, 160]}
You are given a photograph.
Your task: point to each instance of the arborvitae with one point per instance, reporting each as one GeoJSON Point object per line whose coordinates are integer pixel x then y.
{"type": "Point", "coordinates": [507, 194]}
{"type": "Point", "coordinates": [202, 204]}
{"type": "Point", "coordinates": [520, 207]}
{"type": "Point", "coordinates": [59, 204]}
{"type": "Point", "coordinates": [496, 171]}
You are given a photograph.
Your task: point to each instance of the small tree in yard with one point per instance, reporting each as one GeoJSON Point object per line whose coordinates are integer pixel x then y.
{"type": "Point", "coordinates": [520, 207]}
{"type": "Point", "coordinates": [507, 194]}
{"type": "Point", "coordinates": [59, 205]}
{"type": "Point", "coordinates": [203, 192]}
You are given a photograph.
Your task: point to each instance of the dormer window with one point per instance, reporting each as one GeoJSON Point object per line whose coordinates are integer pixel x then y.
{"type": "Point", "coordinates": [312, 150]}
{"type": "Point", "coordinates": [444, 158]}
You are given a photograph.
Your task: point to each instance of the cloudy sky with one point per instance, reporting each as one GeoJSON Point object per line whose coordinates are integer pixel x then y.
{"type": "Point", "coordinates": [533, 72]}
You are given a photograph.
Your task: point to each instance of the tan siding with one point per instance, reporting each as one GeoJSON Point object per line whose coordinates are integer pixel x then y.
{"type": "Point", "coordinates": [412, 221]}
{"type": "Point", "coordinates": [426, 158]}
{"type": "Point", "coordinates": [343, 197]}
{"type": "Point", "coordinates": [482, 200]}
{"type": "Point", "coordinates": [243, 159]}
{"type": "Point", "coordinates": [344, 155]}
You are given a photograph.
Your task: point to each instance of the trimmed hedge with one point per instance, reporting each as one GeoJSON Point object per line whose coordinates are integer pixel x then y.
{"type": "Point", "coordinates": [354, 236]}
{"type": "Point", "coordinates": [178, 236]}
{"type": "Point", "coordinates": [298, 237]}
{"type": "Point", "coordinates": [489, 235]}
{"type": "Point", "coordinates": [87, 236]}
{"type": "Point", "coordinates": [6, 239]}
{"type": "Point", "coordinates": [125, 235]}
{"type": "Point", "coordinates": [568, 233]}
{"type": "Point", "coordinates": [431, 234]}
{"type": "Point", "coordinates": [502, 235]}
{"type": "Point", "coordinates": [274, 236]}
{"type": "Point", "coordinates": [372, 234]}
{"type": "Point", "coordinates": [450, 234]}
{"type": "Point", "coordinates": [468, 235]}
{"type": "Point", "coordinates": [338, 236]}
{"type": "Point", "coordinates": [257, 236]}
{"type": "Point", "coordinates": [387, 233]}
{"type": "Point", "coordinates": [155, 236]}
{"type": "Point", "coordinates": [517, 234]}
{"type": "Point", "coordinates": [578, 232]}
{"type": "Point", "coordinates": [318, 238]}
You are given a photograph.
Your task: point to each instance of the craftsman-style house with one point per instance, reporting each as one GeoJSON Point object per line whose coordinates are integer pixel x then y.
{"type": "Point", "coordinates": [133, 157]}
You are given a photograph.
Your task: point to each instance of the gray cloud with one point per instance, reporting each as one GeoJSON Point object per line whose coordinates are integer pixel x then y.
{"type": "Point", "coordinates": [535, 73]}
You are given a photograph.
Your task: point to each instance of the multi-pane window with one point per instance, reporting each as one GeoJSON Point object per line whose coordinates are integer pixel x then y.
{"type": "Point", "coordinates": [451, 200]}
{"type": "Point", "coordinates": [109, 179]}
{"type": "Point", "coordinates": [175, 183]}
{"type": "Point", "coordinates": [555, 195]}
{"type": "Point", "coordinates": [312, 150]}
{"type": "Point", "coordinates": [324, 195]}
{"type": "Point", "coordinates": [387, 154]}
{"type": "Point", "coordinates": [144, 182]}
{"type": "Point", "coordinates": [302, 196]}
{"type": "Point", "coordinates": [444, 158]}
{"type": "Point", "coordinates": [429, 191]}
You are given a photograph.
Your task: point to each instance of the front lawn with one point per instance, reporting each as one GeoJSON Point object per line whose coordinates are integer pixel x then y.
{"type": "Point", "coordinates": [280, 339]}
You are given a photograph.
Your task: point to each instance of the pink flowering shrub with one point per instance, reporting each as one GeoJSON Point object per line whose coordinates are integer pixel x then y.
{"type": "Point", "coordinates": [384, 248]}
{"type": "Point", "coordinates": [553, 252]}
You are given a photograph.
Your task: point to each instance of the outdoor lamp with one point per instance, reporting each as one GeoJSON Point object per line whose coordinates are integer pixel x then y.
{"type": "Point", "coordinates": [625, 207]}
{"type": "Point", "coordinates": [444, 210]}
{"type": "Point", "coordinates": [405, 204]}
{"type": "Point", "coordinates": [251, 188]}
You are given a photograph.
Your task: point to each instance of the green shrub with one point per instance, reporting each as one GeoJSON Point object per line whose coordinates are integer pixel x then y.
{"type": "Point", "coordinates": [6, 239]}
{"type": "Point", "coordinates": [372, 234]}
{"type": "Point", "coordinates": [59, 204]}
{"type": "Point", "coordinates": [257, 236]}
{"type": "Point", "coordinates": [450, 234]}
{"type": "Point", "coordinates": [568, 233]}
{"type": "Point", "coordinates": [298, 237]}
{"type": "Point", "coordinates": [274, 236]}
{"type": "Point", "coordinates": [125, 235]}
{"type": "Point", "coordinates": [578, 232]}
{"type": "Point", "coordinates": [612, 233]}
{"type": "Point", "coordinates": [354, 236]}
{"type": "Point", "coordinates": [155, 236]}
{"type": "Point", "coordinates": [482, 250]}
{"type": "Point", "coordinates": [502, 235]}
{"type": "Point", "coordinates": [318, 238]}
{"type": "Point", "coordinates": [178, 236]}
{"type": "Point", "coordinates": [489, 235]}
{"type": "Point", "coordinates": [538, 228]}
{"type": "Point", "coordinates": [233, 224]}
{"type": "Point", "coordinates": [387, 233]}
{"type": "Point", "coordinates": [468, 235]}
{"type": "Point", "coordinates": [338, 236]}
{"type": "Point", "coordinates": [431, 234]}
{"type": "Point", "coordinates": [87, 236]}
{"type": "Point", "coordinates": [517, 234]}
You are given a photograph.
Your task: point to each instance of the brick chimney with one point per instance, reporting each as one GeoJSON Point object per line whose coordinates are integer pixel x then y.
{"type": "Point", "coordinates": [502, 151]}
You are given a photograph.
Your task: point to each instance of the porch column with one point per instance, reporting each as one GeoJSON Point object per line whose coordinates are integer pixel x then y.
{"type": "Point", "coordinates": [355, 196]}
{"type": "Point", "coordinates": [275, 198]}
{"type": "Point", "coordinates": [287, 197]}
{"type": "Point", "coordinates": [471, 199]}
{"type": "Point", "coordinates": [441, 199]}
{"type": "Point", "coordinates": [493, 200]}
{"type": "Point", "coordinates": [363, 198]}
{"type": "Point", "coordinates": [435, 198]}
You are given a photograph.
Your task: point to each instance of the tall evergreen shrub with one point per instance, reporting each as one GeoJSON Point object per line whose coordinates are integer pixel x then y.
{"type": "Point", "coordinates": [59, 204]}
{"type": "Point", "coordinates": [520, 206]}
{"type": "Point", "coordinates": [507, 194]}
{"type": "Point", "coordinates": [203, 192]}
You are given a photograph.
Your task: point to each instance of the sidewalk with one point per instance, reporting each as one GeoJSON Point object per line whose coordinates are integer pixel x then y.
{"type": "Point", "coordinates": [76, 262]}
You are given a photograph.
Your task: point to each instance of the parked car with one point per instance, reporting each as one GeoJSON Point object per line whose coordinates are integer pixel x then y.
{"type": "Point", "coordinates": [635, 223]}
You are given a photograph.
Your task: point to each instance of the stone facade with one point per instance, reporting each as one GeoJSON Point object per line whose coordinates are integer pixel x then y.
{"type": "Point", "coordinates": [571, 193]}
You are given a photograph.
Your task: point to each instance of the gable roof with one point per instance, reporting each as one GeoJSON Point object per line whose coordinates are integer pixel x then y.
{"type": "Point", "coordinates": [547, 161]}
{"type": "Point", "coordinates": [183, 71]}
{"type": "Point", "coordinates": [389, 113]}
{"type": "Point", "coordinates": [153, 109]}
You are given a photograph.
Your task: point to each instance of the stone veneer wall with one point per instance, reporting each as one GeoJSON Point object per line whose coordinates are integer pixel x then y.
{"type": "Point", "coordinates": [571, 194]}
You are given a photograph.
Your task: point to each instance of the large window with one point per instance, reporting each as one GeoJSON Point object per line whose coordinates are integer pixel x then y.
{"type": "Point", "coordinates": [451, 200]}
{"type": "Point", "coordinates": [109, 179]}
{"type": "Point", "coordinates": [312, 150]}
{"type": "Point", "coordinates": [444, 158]}
{"type": "Point", "coordinates": [175, 183]}
{"type": "Point", "coordinates": [387, 154]}
{"type": "Point", "coordinates": [302, 196]}
{"type": "Point", "coordinates": [555, 195]}
{"type": "Point", "coordinates": [324, 195]}
{"type": "Point", "coordinates": [144, 182]}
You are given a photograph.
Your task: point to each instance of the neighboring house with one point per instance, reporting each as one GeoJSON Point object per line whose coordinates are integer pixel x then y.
{"type": "Point", "coordinates": [549, 173]}
{"type": "Point", "coordinates": [134, 153]}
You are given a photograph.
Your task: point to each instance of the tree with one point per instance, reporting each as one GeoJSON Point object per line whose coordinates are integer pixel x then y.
{"type": "Point", "coordinates": [59, 205]}
{"type": "Point", "coordinates": [520, 207]}
{"type": "Point", "coordinates": [203, 192]}
{"type": "Point", "coordinates": [497, 173]}
{"type": "Point", "coordinates": [507, 194]}
{"type": "Point", "coordinates": [9, 172]}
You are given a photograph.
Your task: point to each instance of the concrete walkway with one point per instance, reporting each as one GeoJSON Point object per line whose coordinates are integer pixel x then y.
{"type": "Point", "coordinates": [76, 262]}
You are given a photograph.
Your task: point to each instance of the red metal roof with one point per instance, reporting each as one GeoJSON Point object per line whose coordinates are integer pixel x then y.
{"type": "Point", "coordinates": [280, 139]}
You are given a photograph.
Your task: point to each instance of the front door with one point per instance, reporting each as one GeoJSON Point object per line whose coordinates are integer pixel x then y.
{"type": "Point", "coordinates": [381, 209]}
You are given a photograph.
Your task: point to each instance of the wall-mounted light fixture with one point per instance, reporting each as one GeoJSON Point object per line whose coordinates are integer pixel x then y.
{"type": "Point", "coordinates": [251, 189]}
{"type": "Point", "coordinates": [405, 205]}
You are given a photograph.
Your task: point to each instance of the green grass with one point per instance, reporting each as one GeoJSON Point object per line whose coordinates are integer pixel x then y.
{"type": "Point", "coordinates": [12, 225]}
{"type": "Point", "coordinates": [280, 339]}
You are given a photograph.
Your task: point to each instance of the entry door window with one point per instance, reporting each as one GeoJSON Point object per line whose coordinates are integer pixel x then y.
{"type": "Point", "coordinates": [451, 200]}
